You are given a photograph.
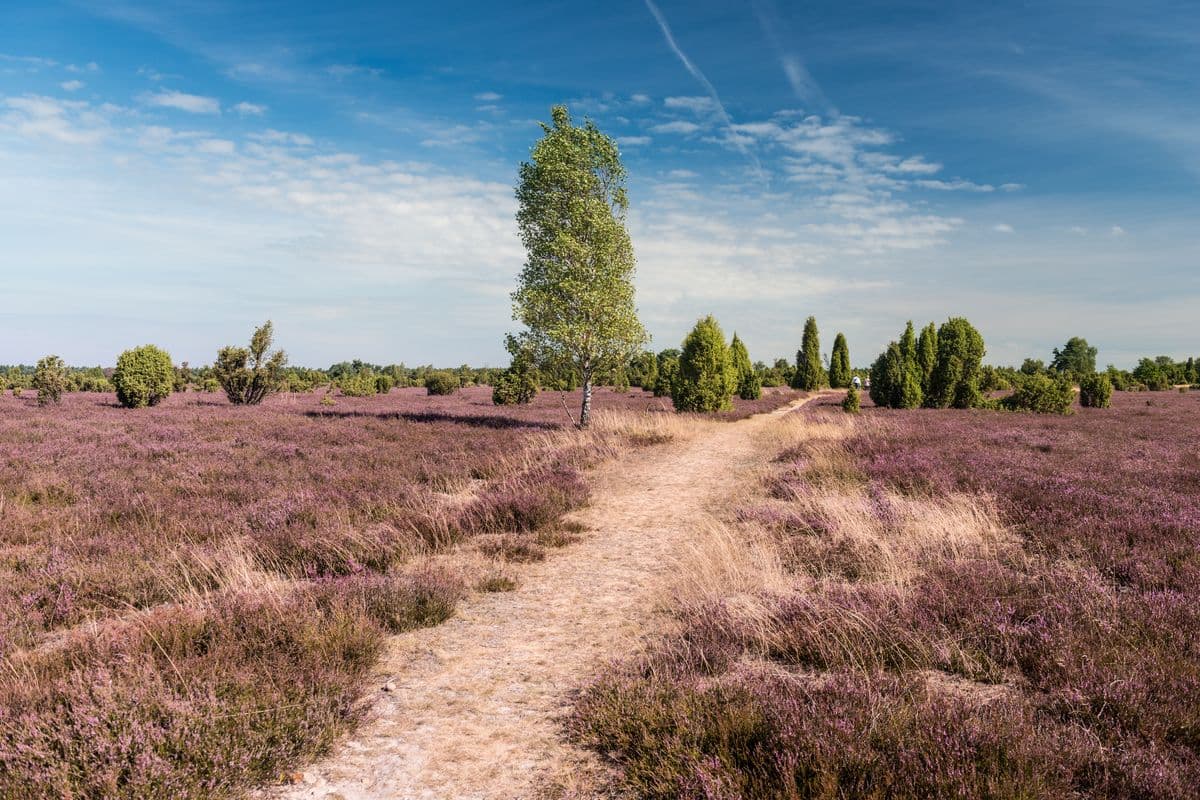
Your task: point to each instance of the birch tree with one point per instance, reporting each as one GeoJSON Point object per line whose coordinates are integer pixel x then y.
{"type": "Point", "coordinates": [575, 293]}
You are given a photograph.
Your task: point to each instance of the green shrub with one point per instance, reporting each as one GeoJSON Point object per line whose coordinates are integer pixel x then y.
{"type": "Point", "coordinates": [1042, 394]}
{"type": "Point", "coordinates": [810, 374]}
{"type": "Point", "coordinates": [706, 379]}
{"type": "Point", "coordinates": [851, 404]}
{"type": "Point", "coordinates": [211, 385]}
{"type": "Point", "coordinates": [749, 384]}
{"type": "Point", "coordinates": [643, 370]}
{"type": "Point", "coordinates": [518, 384]}
{"type": "Point", "coordinates": [359, 384]}
{"type": "Point", "coordinates": [441, 382]}
{"type": "Point", "coordinates": [383, 384]}
{"type": "Point", "coordinates": [249, 375]}
{"type": "Point", "coordinates": [992, 380]}
{"type": "Point", "coordinates": [668, 372]}
{"type": "Point", "coordinates": [955, 379]}
{"type": "Point", "coordinates": [927, 348]}
{"type": "Point", "coordinates": [50, 379]}
{"type": "Point", "coordinates": [840, 373]}
{"type": "Point", "coordinates": [183, 377]}
{"type": "Point", "coordinates": [514, 388]}
{"type": "Point", "coordinates": [1151, 373]}
{"type": "Point", "coordinates": [1095, 391]}
{"type": "Point", "coordinates": [93, 383]}
{"type": "Point", "coordinates": [143, 377]}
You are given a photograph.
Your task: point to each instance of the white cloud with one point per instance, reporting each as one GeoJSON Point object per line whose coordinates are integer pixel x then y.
{"type": "Point", "coordinates": [1011, 187]}
{"type": "Point", "coordinates": [917, 165]}
{"type": "Point", "coordinates": [633, 141]}
{"type": "Point", "coordinates": [220, 147]}
{"type": "Point", "coordinates": [681, 174]}
{"type": "Point", "coordinates": [191, 103]}
{"type": "Point", "coordinates": [64, 121]}
{"type": "Point", "coordinates": [72, 86]}
{"type": "Point", "coordinates": [1078, 230]}
{"type": "Point", "coordinates": [1002, 227]}
{"type": "Point", "coordinates": [488, 97]}
{"type": "Point", "coordinates": [272, 136]}
{"type": "Point", "coordinates": [1117, 230]}
{"type": "Point", "coordinates": [956, 185]}
{"type": "Point", "coordinates": [341, 71]}
{"type": "Point", "coordinates": [250, 109]}
{"type": "Point", "coordinates": [678, 126]}
{"type": "Point", "coordinates": [694, 104]}
{"type": "Point", "coordinates": [456, 135]}
{"type": "Point", "coordinates": [33, 63]}
{"type": "Point", "coordinates": [639, 99]}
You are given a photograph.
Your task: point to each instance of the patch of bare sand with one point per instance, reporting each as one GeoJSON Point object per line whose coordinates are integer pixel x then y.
{"type": "Point", "coordinates": [476, 705]}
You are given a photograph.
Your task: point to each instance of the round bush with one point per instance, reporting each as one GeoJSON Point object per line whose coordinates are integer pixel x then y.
{"type": "Point", "coordinates": [358, 384]}
{"type": "Point", "coordinates": [50, 379]}
{"type": "Point", "coordinates": [143, 377]}
{"type": "Point", "coordinates": [1095, 391]}
{"type": "Point", "coordinates": [514, 388]}
{"type": "Point", "coordinates": [1042, 395]}
{"type": "Point", "coordinates": [441, 383]}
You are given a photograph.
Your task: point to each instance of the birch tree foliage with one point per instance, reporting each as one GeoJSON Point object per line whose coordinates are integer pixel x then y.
{"type": "Point", "coordinates": [575, 293]}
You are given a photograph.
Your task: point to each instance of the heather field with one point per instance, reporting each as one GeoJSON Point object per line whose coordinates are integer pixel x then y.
{"type": "Point", "coordinates": [194, 594]}
{"type": "Point", "coordinates": [934, 603]}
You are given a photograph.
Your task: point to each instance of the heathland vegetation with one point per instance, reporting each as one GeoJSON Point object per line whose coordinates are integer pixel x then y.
{"type": "Point", "coordinates": [924, 596]}
{"type": "Point", "coordinates": [920, 604]}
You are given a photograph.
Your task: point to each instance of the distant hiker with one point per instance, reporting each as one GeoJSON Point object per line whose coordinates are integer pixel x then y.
{"type": "Point", "coordinates": [857, 382]}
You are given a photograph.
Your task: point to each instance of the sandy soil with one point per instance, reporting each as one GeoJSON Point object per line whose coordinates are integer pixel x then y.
{"type": "Point", "coordinates": [476, 705]}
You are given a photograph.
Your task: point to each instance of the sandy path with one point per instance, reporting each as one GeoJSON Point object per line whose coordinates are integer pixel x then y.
{"type": "Point", "coordinates": [479, 701]}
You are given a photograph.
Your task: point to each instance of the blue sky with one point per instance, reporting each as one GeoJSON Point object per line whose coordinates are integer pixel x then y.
{"type": "Point", "coordinates": [176, 173]}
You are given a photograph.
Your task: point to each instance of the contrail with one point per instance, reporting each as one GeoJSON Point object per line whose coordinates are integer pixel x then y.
{"type": "Point", "coordinates": [703, 81]}
{"type": "Point", "coordinates": [803, 84]}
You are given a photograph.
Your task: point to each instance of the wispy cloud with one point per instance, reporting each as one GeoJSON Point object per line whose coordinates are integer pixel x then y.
{"type": "Point", "coordinates": [804, 86]}
{"type": "Point", "coordinates": [678, 126]}
{"type": "Point", "coordinates": [63, 121]}
{"type": "Point", "coordinates": [956, 185]}
{"type": "Point", "coordinates": [633, 141]}
{"type": "Point", "coordinates": [695, 104]}
{"type": "Point", "coordinates": [346, 70]}
{"type": "Point", "coordinates": [250, 109]}
{"type": "Point", "coordinates": [489, 97]}
{"type": "Point", "coordinates": [191, 103]}
{"type": "Point", "coordinates": [72, 86]}
{"type": "Point", "coordinates": [700, 77]}
{"type": "Point", "coordinates": [1002, 227]}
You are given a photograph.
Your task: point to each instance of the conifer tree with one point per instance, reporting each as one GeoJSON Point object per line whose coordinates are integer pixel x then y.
{"type": "Point", "coordinates": [908, 344]}
{"type": "Point", "coordinates": [955, 380]}
{"type": "Point", "coordinates": [886, 375]}
{"type": "Point", "coordinates": [927, 354]}
{"type": "Point", "coordinates": [839, 364]}
{"type": "Point", "coordinates": [706, 380]}
{"type": "Point", "coordinates": [908, 394]}
{"type": "Point", "coordinates": [810, 373]}
{"type": "Point", "coordinates": [749, 385]}
{"type": "Point", "coordinates": [668, 371]}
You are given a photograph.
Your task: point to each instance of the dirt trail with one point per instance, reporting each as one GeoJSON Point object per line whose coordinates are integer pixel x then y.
{"type": "Point", "coordinates": [479, 701]}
